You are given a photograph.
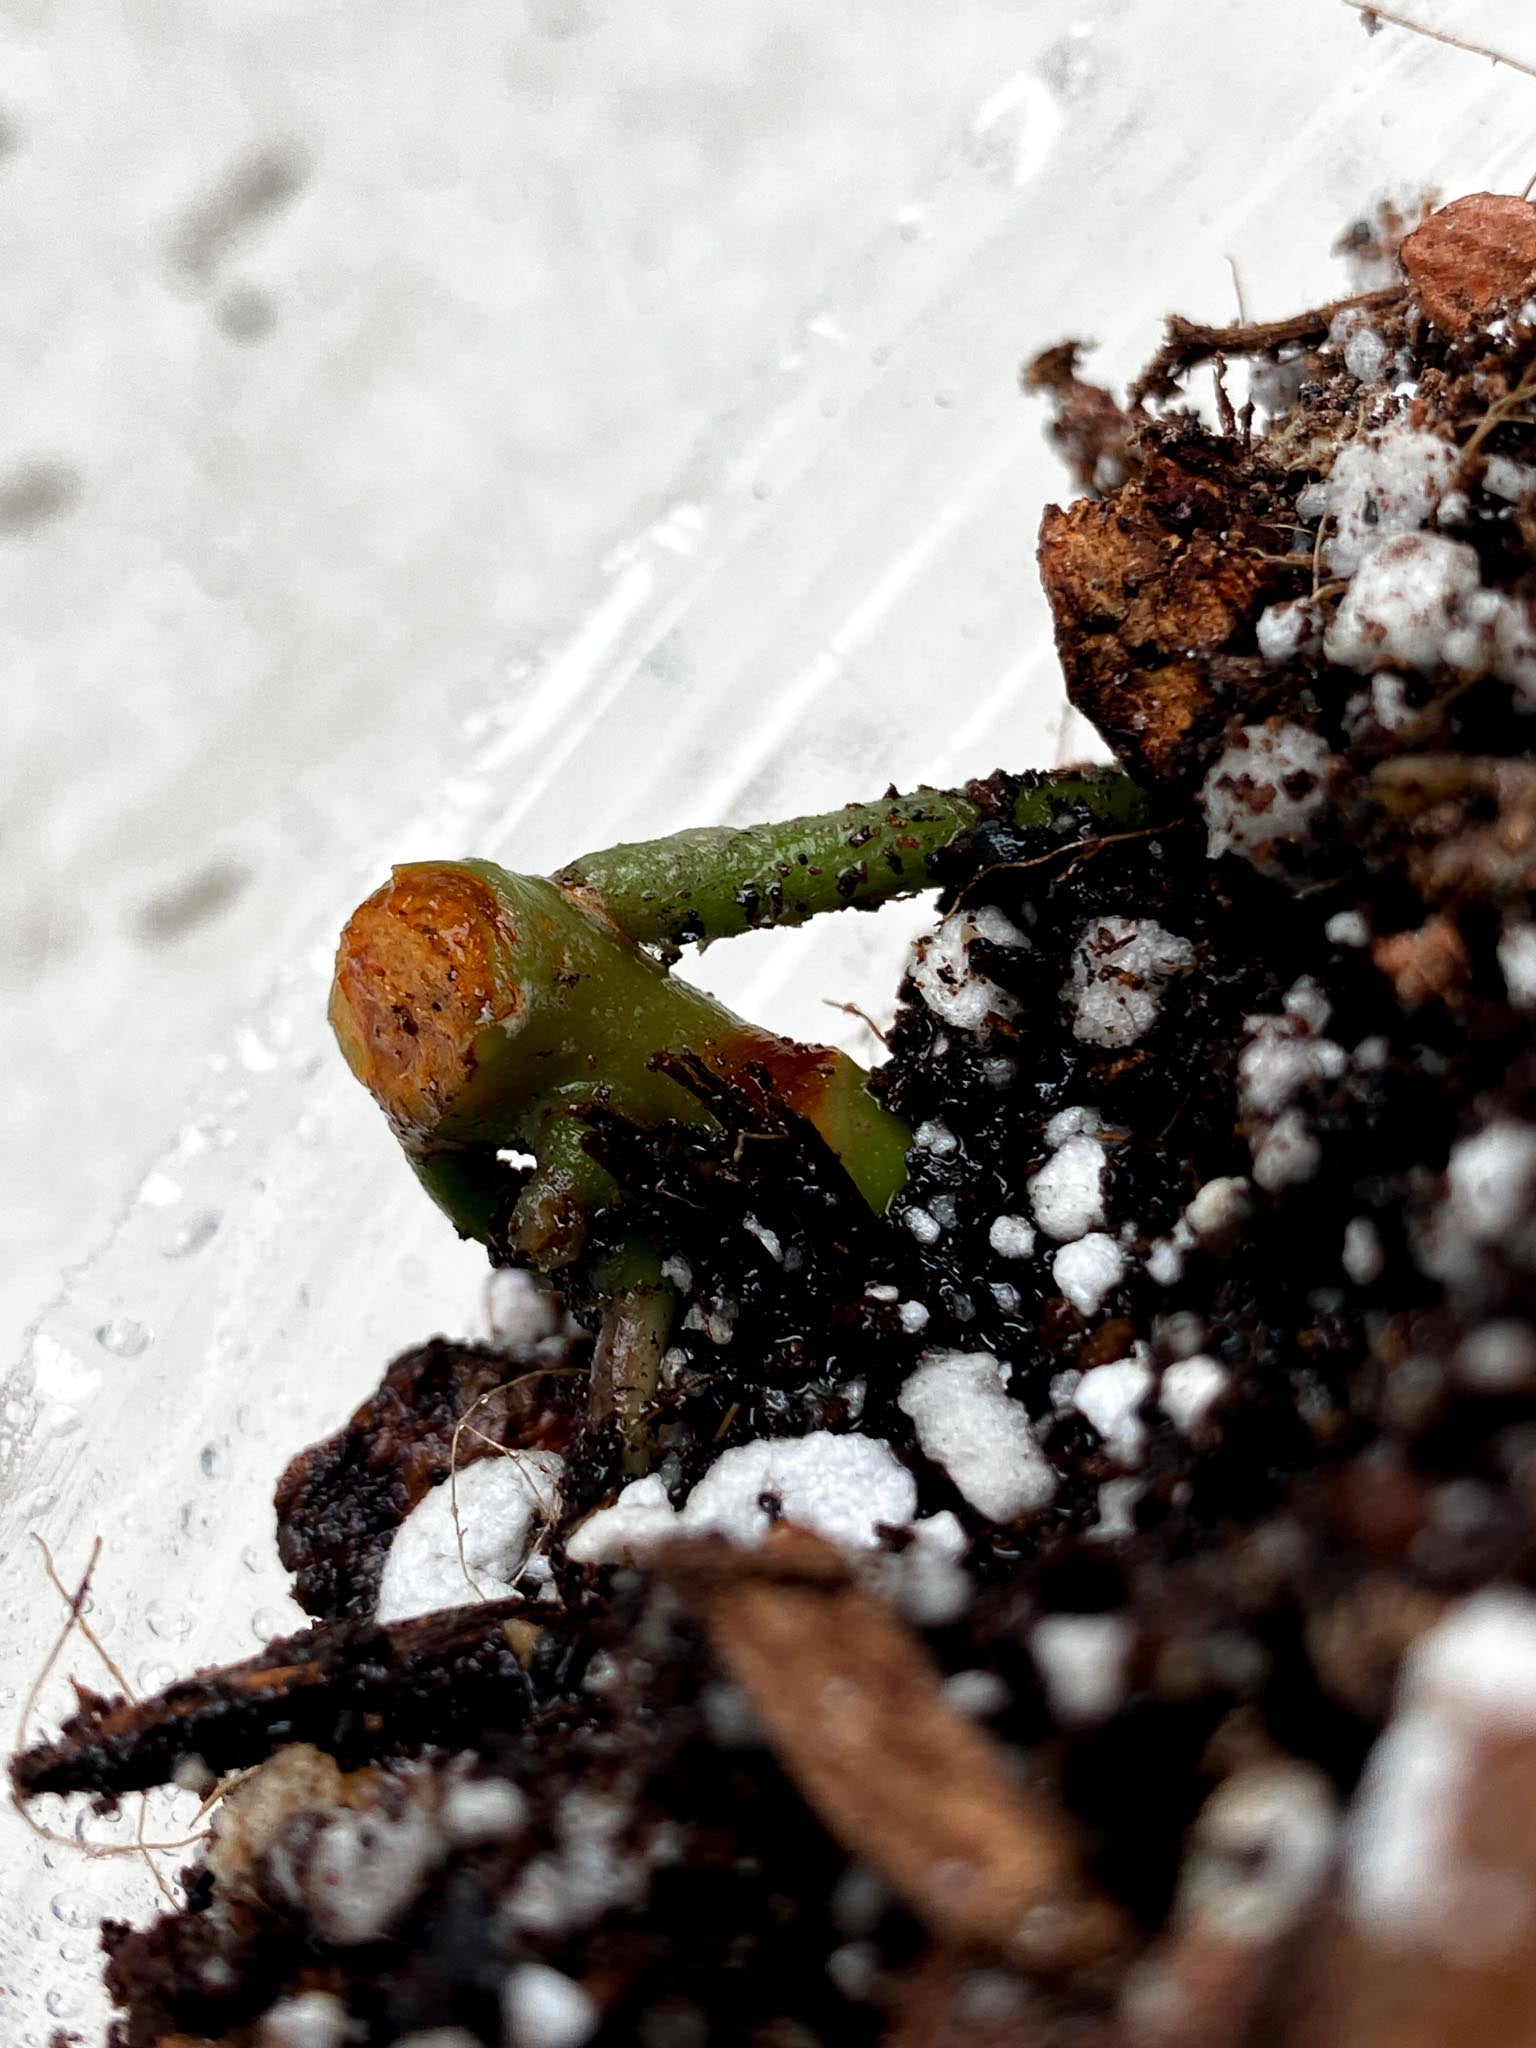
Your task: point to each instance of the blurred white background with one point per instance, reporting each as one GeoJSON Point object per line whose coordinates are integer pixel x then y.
{"type": "Point", "coordinates": [340, 344]}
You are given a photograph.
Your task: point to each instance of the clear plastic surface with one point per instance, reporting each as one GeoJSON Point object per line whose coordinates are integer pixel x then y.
{"type": "Point", "coordinates": [847, 599]}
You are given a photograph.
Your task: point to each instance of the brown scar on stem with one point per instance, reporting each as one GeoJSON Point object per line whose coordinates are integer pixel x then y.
{"type": "Point", "coordinates": [416, 980]}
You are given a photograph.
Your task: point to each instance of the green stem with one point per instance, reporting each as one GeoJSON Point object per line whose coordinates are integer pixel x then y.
{"type": "Point", "coordinates": [718, 881]}
{"type": "Point", "coordinates": [487, 1012]}
{"type": "Point", "coordinates": [626, 1361]}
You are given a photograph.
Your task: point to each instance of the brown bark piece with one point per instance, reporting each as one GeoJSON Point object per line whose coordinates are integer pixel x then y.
{"type": "Point", "coordinates": [1472, 258]}
{"type": "Point", "coordinates": [1142, 605]}
{"type": "Point", "coordinates": [1427, 965]}
{"type": "Point", "coordinates": [349, 1686]}
{"type": "Point", "coordinates": [1091, 430]}
{"type": "Point", "coordinates": [1469, 1974]}
{"type": "Point", "coordinates": [855, 1710]}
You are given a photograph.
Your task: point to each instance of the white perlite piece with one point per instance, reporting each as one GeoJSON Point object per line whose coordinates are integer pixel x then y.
{"type": "Point", "coordinates": [502, 1502]}
{"type": "Point", "coordinates": [1470, 1681]}
{"type": "Point", "coordinates": [482, 1810]}
{"type": "Point", "coordinates": [1418, 603]}
{"type": "Point", "coordinates": [1491, 1178]}
{"type": "Point", "coordinates": [1284, 1063]}
{"type": "Point", "coordinates": [1505, 478]}
{"type": "Point", "coordinates": [943, 975]}
{"type": "Point", "coordinates": [1082, 1660]}
{"type": "Point", "coordinates": [1403, 602]}
{"type": "Point", "coordinates": [925, 1582]}
{"type": "Point", "coordinates": [936, 1138]}
{"type": "Point", "coordinates": [357, 1874]}
{"type": "Point", "coordinates": [1289, 630]}
{"type": "Point", "coordinates": [1067, 1194]}
{"type": "Point", "coordinates": [519, 1309]}
{"type": "Point", "coordinates": [924, 1226]}
{"type": "Point", "coordinates": [1390, 704]}
{"type": "Point", "coordinates": [843, 1487]}
{"type": "Point", "coordinates": [976, 1694]}
{"type": "Point", "coordinates": [311, 2019]}
{"type": "Point", "coordinates": [1362, 1258]}
{"type": "Point", "coordinates": [1286, 1154]}
{"type": "Point", "coordinates": [1120, 967]}
{"type": "Point", "coordinates": [1011, 1237]}
{"type": "Point", "coordinates": [541, 2008]}
{"type": "Point", "coordinates": [1267, 789]}
{"type": "Point", "coordinates": [1499, 1357]}
{"type": "Point", "coordinates": [591, 1871]}
{"type": "Point", "coordinates": [1188, 1389]}
{"type": "Point", "coordinates": [1283, 1060]}
{"type": "Point", "coordinates": [966, 1422]}
{"type": "Point", "coordinates": [1077, 1121]}
{"type": "Point", "coordinates": [1347, 928]}
{"type": "Point", "coordinates": [1220, 1207]}
{"type": "Point", "coordinates": [1088, 1269]}
{"type": "Point", "coordinates": [1386, 483]}
{"type": "Point", "coordinates": [1259, 1852]}
{"type": "Point", "coordinates": [1165, 1262]}
{"type": "Point", "coordinates": [1517, 964]}
{"type": "Point", "coordinates": [1367, 356]}
{"type": "Point", "coordinates": [1110, 1395]}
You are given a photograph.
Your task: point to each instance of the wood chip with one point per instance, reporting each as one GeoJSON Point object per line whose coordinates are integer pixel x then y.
{"type": "Point", "coordinates": [854, 1708]}
{"type": "Point", "coordinates": [1148, 589]}
{"type": "Point", "coordinates": [338, 1687]}
{"type": "Point", "coordinates": [1428, 965]}
{"type": "Point", "coordinates": [1472, 259]}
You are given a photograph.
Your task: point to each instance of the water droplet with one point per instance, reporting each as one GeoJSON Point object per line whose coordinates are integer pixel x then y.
{"type": "Point", "coordinates": [7, 1695]}
{"type": "Point", "coordinates": [74, 1952]}
{"type": "Point", "coordinates": [74, 1909]}
{"type": "Point", "coordinates": [155, 1677]}
{"type": "Point", "coordinates": [268, 1622]}
{"type": "Point", "coordinates": [191, 1236]}
{"type": "Point", "coordinates": [38, 1504]}
{"type": "Point", "coordinates": [211, 1458]}
{"type": "Point", "coordinates": [62, 2002]}
{"type": "Point", "coordinates": [171, 1624]}
{"type": "Point", "coordinates": [253, 1052]}
{"type": "Point", "coordinates": [252, 1558]}
{"type": "Point", "coordinates": [123, 1337]}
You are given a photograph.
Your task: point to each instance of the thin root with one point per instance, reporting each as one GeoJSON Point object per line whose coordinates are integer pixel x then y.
{"type": "Point", "coordinates": [549, 1509]}
{"type": "Point", "coordinates": [1390, 15]}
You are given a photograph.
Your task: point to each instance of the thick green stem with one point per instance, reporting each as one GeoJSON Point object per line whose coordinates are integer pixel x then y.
{"type": "Point", "coordinates": [487, 1012]}
{"type": "Point", "coordinates": [694, 887]}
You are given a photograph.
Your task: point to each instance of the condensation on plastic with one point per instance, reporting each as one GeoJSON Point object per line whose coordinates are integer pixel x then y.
{"type": "Point", "coordinates": [847, 599]}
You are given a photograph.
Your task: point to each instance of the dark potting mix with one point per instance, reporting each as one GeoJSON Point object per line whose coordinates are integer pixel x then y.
{"type": "Point", "coordinates": [1035, 1548]}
